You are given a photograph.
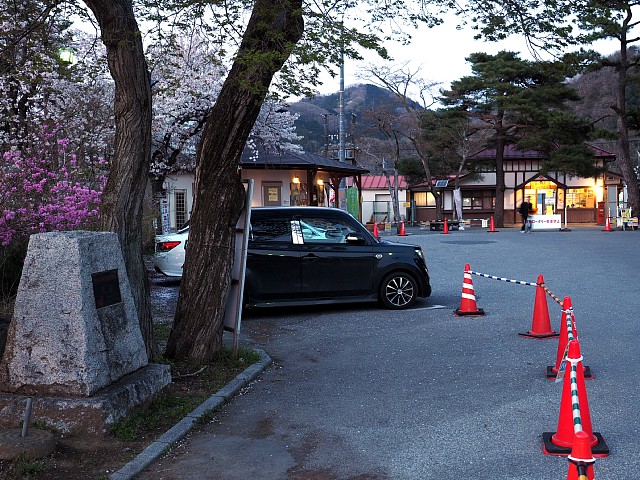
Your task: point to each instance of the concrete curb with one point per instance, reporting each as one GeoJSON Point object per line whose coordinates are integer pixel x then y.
{"type": "Point", "coordinates": [184, 426]}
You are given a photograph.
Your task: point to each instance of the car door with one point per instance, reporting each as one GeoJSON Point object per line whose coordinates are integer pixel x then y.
{"type": "Point", "coordinates": [273, 261]}
{"type": "Point", "coordinates": [331, 267]}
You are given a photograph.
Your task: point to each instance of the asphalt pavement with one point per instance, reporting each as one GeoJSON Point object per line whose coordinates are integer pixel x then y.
{"type": "Point", "coordinates": [358, 392]}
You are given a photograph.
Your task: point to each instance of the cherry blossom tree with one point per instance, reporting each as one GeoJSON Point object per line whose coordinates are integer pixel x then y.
{"type": "Point", "coordinates": [274, 130]}
{"type": "Point", "coordinates": [187, 76]}
{"type": "Point", "coordinates": [55, 128]}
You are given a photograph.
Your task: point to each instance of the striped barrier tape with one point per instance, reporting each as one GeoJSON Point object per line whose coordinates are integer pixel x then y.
{"type": "Point", "coordinates": [518, 282]}
{"type": "Point", "coordinates": [557, 300]}
{"type": "Point", "coordinates": [575, 401]}
{"type": "Point", "coordinates": [569, 319]}
{"type": "Point", "coordinates": [503, 279]}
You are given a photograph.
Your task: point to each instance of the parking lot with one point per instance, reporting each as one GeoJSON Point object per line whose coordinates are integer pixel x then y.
{"type": "Point", "coordinates": [359, 392]}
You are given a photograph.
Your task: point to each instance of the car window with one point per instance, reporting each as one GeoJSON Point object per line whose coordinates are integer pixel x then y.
{"type": "Point", "coordinates": [270, 230]}
{"type": "Point", "coordinates": [325, 230]}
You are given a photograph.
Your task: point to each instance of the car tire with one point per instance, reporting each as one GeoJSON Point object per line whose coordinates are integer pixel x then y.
{"type": "Point", "coordinates": [398, 290]}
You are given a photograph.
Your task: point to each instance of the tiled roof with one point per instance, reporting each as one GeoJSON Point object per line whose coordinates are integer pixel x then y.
{"type": "Point", "coordinates": [512, 153]}
{"type": "Point", "coordinates": [298, 160]}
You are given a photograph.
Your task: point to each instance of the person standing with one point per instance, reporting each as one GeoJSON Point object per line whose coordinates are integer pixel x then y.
{"type": "Point", "coordinates": [525, 210]}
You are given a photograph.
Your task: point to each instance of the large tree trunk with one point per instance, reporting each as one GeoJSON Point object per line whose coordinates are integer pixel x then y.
{"type": "Point", "coordinates": [123, 196]}
{"type": "Point", "coordinates": [273, 30]}
{"type": "Point", "coordinates": [628, 173]}
{"type": "Point", "coordinates": [500, 186]}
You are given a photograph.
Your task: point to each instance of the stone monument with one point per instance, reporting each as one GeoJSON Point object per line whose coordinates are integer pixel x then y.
{"type": "Point", "coordinates": [74, 343]}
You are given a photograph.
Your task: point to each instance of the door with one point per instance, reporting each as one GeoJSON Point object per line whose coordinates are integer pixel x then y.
{"type": "Point", "coordinates": [329, 266]}
{"type": "Point", "coordinates": [273, 261]}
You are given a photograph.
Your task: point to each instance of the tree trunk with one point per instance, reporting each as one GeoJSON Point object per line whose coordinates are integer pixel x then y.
{"type": "Point", "coordinates": [393, 192]}
{"type": "Point", "coordinates": [438, 198]}
{"type": "Point", "coordinates": [273, 30]}
{"type": "Point", "coordinates": [500, 186]}
{"type": "Point", "coordinates": [628, 173]}
{"type": "Point", "coordinates": [122, 199]}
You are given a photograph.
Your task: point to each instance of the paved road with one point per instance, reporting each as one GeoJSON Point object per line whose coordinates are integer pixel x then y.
{"type": "Point", "coordinates": [364, 393]}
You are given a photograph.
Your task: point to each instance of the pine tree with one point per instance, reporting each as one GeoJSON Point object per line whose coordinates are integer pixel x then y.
{"type": "Point", "coordinates": [516, 101]}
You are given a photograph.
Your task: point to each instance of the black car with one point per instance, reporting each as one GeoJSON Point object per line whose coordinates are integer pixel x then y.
{"type": "Point", "coordinates": [312, 255]}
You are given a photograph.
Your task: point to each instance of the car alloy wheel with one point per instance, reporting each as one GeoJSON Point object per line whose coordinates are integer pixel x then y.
{"type": "Point", "coordinates": [398, 290]}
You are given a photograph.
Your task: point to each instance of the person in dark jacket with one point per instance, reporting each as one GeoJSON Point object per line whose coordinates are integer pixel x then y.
{"type": "Point", "coordinates": [525, 210]}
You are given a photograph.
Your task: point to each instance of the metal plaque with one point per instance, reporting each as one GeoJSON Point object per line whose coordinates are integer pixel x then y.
{"type": "Point", "coordinates": [106, 288]}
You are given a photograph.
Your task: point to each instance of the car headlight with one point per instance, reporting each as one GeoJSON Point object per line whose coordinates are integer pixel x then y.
{"type": "Point", "coordinates": [419, 252]}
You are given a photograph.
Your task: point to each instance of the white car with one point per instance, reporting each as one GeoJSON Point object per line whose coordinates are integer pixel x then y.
{"type": "Point", "coordinates": [169, 252]}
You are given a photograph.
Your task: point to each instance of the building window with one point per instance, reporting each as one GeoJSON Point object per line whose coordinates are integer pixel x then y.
{"type": "Point", "coordinates": [478, 200]}
{"type": "Point", "coordinates": [181, 207]}
{"type": "Point", "coordinates": [424, 199]}
{"type": "Point", "coordinates": [581, 198]}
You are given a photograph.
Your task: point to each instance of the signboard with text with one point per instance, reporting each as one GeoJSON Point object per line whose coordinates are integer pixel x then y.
{"type": "Point", "coordinates": [164, 215]}
{"type": "Point", "coordinates": [545, 222]}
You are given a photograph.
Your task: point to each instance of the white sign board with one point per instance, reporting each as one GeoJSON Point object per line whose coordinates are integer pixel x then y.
{"type": "Point", "coordinates": [545, 222]}
{"type": "Point", "coordinates": [164, 215]}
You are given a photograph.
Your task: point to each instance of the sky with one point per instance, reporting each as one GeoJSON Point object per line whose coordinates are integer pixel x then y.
{"type": "Point", "coordinates": [440, 54]}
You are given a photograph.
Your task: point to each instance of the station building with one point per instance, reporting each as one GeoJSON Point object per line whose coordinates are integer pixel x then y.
{"type": "Point", "coordinates": [569, 199]}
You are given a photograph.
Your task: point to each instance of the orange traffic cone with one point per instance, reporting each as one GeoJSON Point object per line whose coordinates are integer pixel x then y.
{"type": "Point", "coordinates": [563, 340]}
{"type": "Point", "coordinates": [468, 306]}
{"type": "Point", "coordinates": [492, 226]}
{"type": "Point", "coordinates": [541, 324]}
{"type": "Point", "coordinates": [445, 227]}
{"type": "Point", "coordinates": [402, 232]}
{"type": "Point", "coordinates": [574, 393]}
{"type": "Point", "coordinates": [607, 225]}
{"type": "Point", "coordinates": [581, 459]}
{"type": "Point", "coordinates": [376, 233]}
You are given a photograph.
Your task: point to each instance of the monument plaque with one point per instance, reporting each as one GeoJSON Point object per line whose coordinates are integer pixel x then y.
{"type": "Point", "coordinates": [106, 289]}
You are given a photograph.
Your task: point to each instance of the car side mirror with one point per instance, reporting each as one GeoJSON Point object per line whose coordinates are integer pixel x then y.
{"type": "Point", "coordinates": [354, 238]}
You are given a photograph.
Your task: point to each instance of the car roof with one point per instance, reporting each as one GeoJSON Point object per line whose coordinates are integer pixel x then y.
{"type": "Point", "coordinates": [305, 209]}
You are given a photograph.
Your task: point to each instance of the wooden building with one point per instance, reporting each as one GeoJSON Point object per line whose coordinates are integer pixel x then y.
{"type": "Point", "coordinates": [575, 199]}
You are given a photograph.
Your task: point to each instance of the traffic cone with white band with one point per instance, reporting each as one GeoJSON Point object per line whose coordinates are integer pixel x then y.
{"type": "Point", "coordinates": [563, 340]}
{"type": "Point", "coordinates": [574, 412]}
{"type": "Point", "coordinates": [468, 306]}
{"type": "Point", "coordinates": [541, 324]}
{"type": "Point", "coordinates": [581, 459]}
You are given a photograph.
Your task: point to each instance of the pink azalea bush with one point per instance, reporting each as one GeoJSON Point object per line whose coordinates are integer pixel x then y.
{"type": "Point", "coordinates": [49, 192]}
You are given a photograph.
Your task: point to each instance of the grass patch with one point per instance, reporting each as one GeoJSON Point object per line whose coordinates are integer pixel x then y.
{"type": "Point", "coordinates": [191, 385]}
{"type": "Point", "coordinates": [29, 467]}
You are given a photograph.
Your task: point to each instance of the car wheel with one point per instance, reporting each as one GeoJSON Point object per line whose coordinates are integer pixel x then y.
{"type": "Point", "coordinates": [398, 290]}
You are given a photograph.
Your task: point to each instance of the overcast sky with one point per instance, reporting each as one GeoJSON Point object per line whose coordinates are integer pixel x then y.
{"type": "Point", "coordinates": [440, 52]}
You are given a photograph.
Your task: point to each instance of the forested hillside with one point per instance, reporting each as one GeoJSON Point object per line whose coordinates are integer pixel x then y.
{"type": "Point", "coordinates": [359, 101]}
{"type": "Point", "coordinates": [363, 102]}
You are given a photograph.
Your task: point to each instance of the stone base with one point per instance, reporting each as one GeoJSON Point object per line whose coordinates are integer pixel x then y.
{"type": "Point", "coordinates": [37, 444]}
{"type": "Point", "coordinates": [87, 415]}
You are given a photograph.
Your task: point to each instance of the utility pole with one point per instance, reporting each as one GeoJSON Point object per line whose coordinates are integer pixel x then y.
{"type": "Point", "coordinates": [341, 129]}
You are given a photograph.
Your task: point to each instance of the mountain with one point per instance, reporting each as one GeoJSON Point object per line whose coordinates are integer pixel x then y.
{"type": "Point", "coordinates": [319, 116]}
